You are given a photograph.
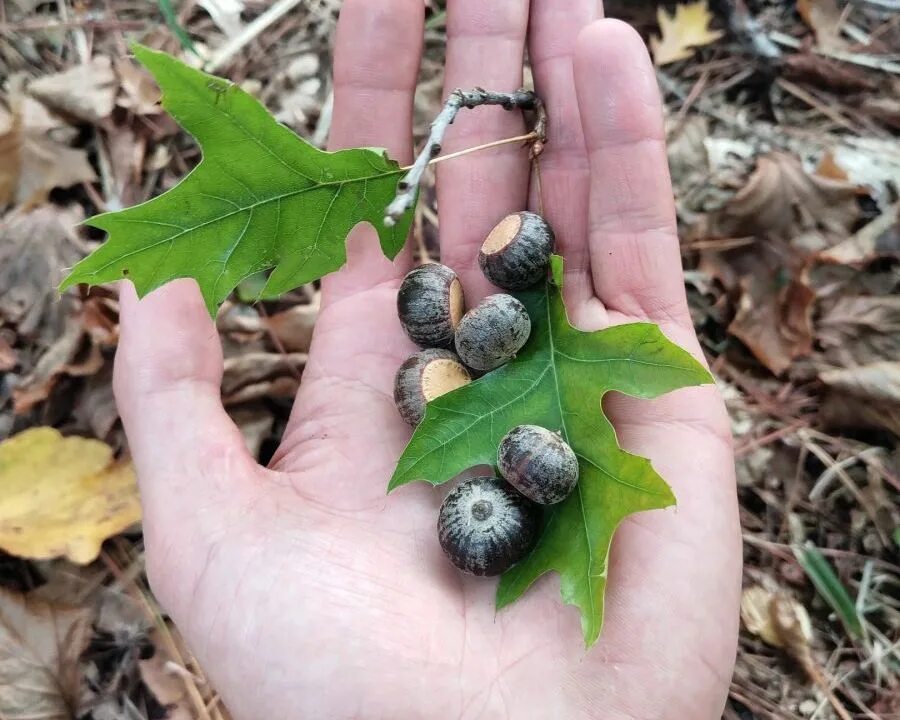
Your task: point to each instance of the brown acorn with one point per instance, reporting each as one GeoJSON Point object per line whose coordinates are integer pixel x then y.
{"type": "Point", "coordinates": [517, 251]}
{"type": "Point", "coordinates": [485, 527]}
{"type": "Point", "coordinates": [538, 463]}
{"type": "Point", "coordinates": [430, 305]}
{"type": "Point", "coordinates": [423, 377]}
{"type": "Point", "coordinates": [491, 334]}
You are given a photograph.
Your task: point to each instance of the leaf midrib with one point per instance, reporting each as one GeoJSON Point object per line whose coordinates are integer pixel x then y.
{"type": "Point", "coordinates": [562, 419]}
{"type": "Point", "coordinates": [241, 209]}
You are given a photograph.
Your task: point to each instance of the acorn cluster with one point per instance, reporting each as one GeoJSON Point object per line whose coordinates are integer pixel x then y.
{"type": "Point", "coordinates": [485, 524]}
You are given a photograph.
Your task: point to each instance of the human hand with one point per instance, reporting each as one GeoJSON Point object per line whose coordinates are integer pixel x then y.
{"type": "Point", "coordinates": [304, 591]}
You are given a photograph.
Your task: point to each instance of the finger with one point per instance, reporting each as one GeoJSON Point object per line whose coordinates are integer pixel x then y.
{"type": "Point", "coordinates": [564, 172]}
{"type": "Point", "coordinates": [485, 46]}
{"type": "Point", "coordinates": [168, 372]}
{"type": "Point", "coordinates": [376, 61]}
{"type": "Point", "coordinates": [635, 259]}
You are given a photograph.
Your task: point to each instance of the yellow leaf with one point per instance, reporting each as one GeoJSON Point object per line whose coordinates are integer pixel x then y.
{"type": "Point", "coordinates": [62, 496]}
{"type": "Point", "coordinates": [681, 33]}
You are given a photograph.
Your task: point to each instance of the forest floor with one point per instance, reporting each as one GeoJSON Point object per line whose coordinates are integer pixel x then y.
{"type": "Point", "coordinates": [784, 144]}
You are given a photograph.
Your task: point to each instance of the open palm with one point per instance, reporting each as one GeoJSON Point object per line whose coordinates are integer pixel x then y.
{"type": "Point", "coordinates": [304, 590]}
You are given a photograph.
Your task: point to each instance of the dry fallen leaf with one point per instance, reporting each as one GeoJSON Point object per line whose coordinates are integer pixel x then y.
{"type": "Point", "coordinates": [824, 18]}
{"type": "Point", "coordinates": [86, 92]}
{"type": "Point", "coordinates": [859, 329]}
{"type": "Point", "coordinates": [33, 160]}
{"type": "Point", "coordinates": [867, 395]}
{"type": "Point", "coordinates": [683, 32]}
{"type": "Point", "coordinates": [782, 200]}
{"type": "Point", "coordinates": [35, 247]}
{"type": "Point", "coordinates": [140, 93]}
{"type": "Point", "coordinates": [880, 237]}
{"type": "Point", "coordinates": [768, 615]}
{"type": "Point", "coordinates": [40, 645]}
{"type": "Point", "coordinates": [62, 496]}
{"type": "Point", "coordinates": [775, 325]}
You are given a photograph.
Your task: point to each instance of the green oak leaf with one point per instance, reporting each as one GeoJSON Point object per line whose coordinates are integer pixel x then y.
{"type": "Point", "coordinates": [558, 381]}
{"type": "Point", "coordinates": [261, 198]}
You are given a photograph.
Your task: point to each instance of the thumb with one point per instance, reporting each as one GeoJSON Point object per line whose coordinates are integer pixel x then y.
{"type": "Point", "coordinates": [167, 378]}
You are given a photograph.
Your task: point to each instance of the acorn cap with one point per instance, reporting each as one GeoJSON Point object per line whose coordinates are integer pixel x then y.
{"type": "Point", "coordinates": [423, 377]}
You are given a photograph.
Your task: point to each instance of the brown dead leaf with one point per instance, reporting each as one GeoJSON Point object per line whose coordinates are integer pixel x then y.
{"type": "Point", "coordinates": [781, 200]}
{"type": "Point", "coordinates": [869, 394]}
{"type": "Point", "coordinates": [32, 160]}
{"type": "Point", "coordinates": [829, 169]}
{"type": "Point", "coordinates": [880, 237]}
{"type": "Point", "coordinates": [774, 316]}
{"type": "Point", "coordinates": [683, 32]}
{"type": "Point", "coordinates": [62, 496]}
{"type": "Point", "coordinates": [35, 247]}
{"type": "Point", "coordinates": [40, 645]}
{"type": "Point", "coordinates": [824, 18]}
{"type": "Point", "coordinates": [775, 617]}
{"type": "Point", "coordinates": [140, 93]}
{"type": "Point", "coordinates": [294, 327]}
{"type": "Point", "coordinates": [253, 375]}
{"type": "Point", "coordinates": [86, 92]}
{"type": "Point", "coordinates": [859, 330]}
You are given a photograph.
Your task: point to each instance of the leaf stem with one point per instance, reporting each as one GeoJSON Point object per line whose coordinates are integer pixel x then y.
{"type": "Point", "coordinates": [408, 187]}
{"type": "Point", "coordinates": [530, 137]}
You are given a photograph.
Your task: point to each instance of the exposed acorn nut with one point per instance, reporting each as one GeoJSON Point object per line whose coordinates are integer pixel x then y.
{"type": "Point", "coordinates": [485, 527]}
{"type": "Point", "coordinates": [424, 376]}
{"type": "Point", "coordinates": [430, 305]}
{"type": "Point", "coordinates": [538, 463]}
{"type": "Point", "coordinates": [517, 251]}
{"type": "Point", "coordinates": [491, 334]}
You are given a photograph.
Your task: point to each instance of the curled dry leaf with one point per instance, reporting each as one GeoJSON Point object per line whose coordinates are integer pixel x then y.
{"type": "Point", "coordinates": [774, 316]}
{"type": "Point", "coordinates": [62, 496]}
{"type": "Point", "coordinates": [40, 645]}
{"type": "Point", "coordinates": [32, 160]}
{"type": "Point", "coordinates": [139, 91]}
{"type": "Point", "coordinates": [782, 200]}
{"type": "Point", "coordinates": [86, 92]}
{"type": "Point", "coordinates": [869, 395]}
{"type": "Point", "coordinates": [859, 330]}
{"type": "Point", "coordinates": [880, 237]}
{"type": "Point", "coordinates": [775, 618]}
{"type": "Point", "coordinates": [34, 249]}
{"type": "Point", "coordinates": [682, 32]}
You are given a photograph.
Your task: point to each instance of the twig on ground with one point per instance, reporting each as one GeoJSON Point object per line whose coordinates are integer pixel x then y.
{"type": "Point", "coordinates": [234, 45]}
{"type": "Point", "coordinates": [408, 187]}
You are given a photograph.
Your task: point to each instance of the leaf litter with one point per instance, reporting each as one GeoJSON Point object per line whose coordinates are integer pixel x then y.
{"type": "Point", "coordinates": [788, 205]}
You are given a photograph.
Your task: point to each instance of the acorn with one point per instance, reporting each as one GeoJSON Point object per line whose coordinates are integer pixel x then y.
{"type": "Point", "coordinates": [485, 527]}
{"type": "Point", "coordinates": [424, 376]}
{"type": "Point", "coordinates": [430, 305]}
{"type": "Point", "coordinates": [491, 334]}
{"type": "Point", "coordinates": [517, 251]}
{"type": "Point", "coordinates": [538, 463]}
